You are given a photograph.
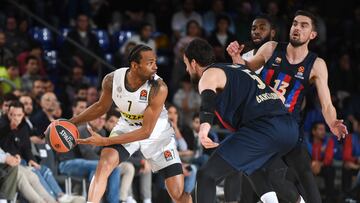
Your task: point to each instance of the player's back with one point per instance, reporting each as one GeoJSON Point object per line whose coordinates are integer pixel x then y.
{"type": "Point", "coordinates": [245, 97]}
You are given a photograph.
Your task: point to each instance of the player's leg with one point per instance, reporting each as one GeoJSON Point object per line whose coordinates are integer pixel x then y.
{"type": "Point", "coordinates": [299, 160]}
{"type": "Point", "coordinates": [174, 181]}
{"type": "Point", "coordinates": [109, 160]}
{"type": "Point", "coordinates": [210, 174]}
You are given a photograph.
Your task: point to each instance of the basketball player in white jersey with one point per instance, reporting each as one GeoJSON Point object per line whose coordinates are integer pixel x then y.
{"type": "Point", "coordinates": [262, 31]}
{"type": "Point", "coordinates": [140, 95]}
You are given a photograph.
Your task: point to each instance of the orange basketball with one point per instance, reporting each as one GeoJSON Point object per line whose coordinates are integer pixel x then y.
{"type": "Point", "coordinates": [61, 135]}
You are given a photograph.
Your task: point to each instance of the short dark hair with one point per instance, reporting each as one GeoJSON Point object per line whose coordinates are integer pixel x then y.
{"type": "Point", "coordinates": [10, 97]}
{"type": "Point", "coordinates": [77, 100]}
{"type": "Point", "coordinates": [143, 25]}
{"type": "Point", "coordinates": [30, 57]}
{"type": "Point", "coordinates": [112, 113]}
{"type": "Point", "coordinates": [135, 53]}
{"type": "Point", "coordinates": [223, 17]}
{"type": "Point", "coordinates": [316, 124]}
{"type": "Point", "coordinates": [196, 115]}
{"type": "Point", "coordinates": [16, 104]}
{"type": "Point", "coordinates": [201, 51]}
{"type": "Point", "coordinates": [309, 15]}
{"type": "Point", "coordinates": [267, 18]}
{"type": "Point", "coordinates": [11, 62]}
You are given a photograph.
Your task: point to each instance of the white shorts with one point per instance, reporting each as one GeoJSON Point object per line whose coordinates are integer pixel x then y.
{"type": "Point", "coordinates": [160, 152]}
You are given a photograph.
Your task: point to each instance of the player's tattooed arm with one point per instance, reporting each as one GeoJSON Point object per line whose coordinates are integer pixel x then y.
{"type": "Point", "coordinates": [156, 87]}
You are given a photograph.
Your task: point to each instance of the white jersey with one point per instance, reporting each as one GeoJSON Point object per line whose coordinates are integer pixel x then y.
{"type": "Point", "coordinates": [248, 55]}
{"type": "Point", "coordinates": [132, 106]}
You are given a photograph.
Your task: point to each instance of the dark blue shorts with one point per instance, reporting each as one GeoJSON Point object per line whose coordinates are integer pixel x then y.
{"type": "Point", "coordinates": [253, 145]}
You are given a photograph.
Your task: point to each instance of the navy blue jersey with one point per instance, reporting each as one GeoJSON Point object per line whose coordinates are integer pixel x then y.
{"type": "Point", "coordinates": [244, 98]}
{"type": "Point", "coordinates": [291, 80]}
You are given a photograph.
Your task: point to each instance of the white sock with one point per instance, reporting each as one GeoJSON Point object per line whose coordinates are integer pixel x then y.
{"type": "Point", "coordinates": [269, 197]}
{"type": "Point", "coordinates": [147, 200]}
{"type": "Point", "coordinates": [3, 201]}
{"type": "Point", "coordinates": [302, 199]}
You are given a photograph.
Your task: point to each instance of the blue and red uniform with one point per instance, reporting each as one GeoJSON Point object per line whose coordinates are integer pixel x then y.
{"type": "Point", "coordinates": [258, 118]}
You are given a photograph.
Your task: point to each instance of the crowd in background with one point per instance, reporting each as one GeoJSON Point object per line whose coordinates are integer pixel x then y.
{"type": "Point", "coordinates": [44, 76]}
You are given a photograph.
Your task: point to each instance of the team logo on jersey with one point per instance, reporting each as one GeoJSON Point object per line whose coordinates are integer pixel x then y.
{"type": "Point", "coordinates": [168, 155]}
{"type": "Point", "coordinates": [278, 60]}
{"type": "Point", "coordinates": [143, 95]}
{"type": "Point", "coordinates": [300, 73]}
{"type": "Point", "coordinates": [119, 89]}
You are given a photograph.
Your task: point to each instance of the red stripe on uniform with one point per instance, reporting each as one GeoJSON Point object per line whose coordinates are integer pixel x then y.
{"type": "Point", "coordinates": [287, 78]}
{"type": "Point", "coordinates": [296, 95]}
{"type": "Point", "coordinates": [226, 125]}
{"type": "Point", "coordinates": [269, 75]}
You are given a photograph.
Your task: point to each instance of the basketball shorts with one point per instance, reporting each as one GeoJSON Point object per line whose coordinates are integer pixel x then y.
{"type": "Point", "coordinates": [160, 151]}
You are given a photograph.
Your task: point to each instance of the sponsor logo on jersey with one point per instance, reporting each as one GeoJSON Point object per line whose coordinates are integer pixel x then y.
{"type": "Point", "coordinates": [300, 73]}
{"type": "Point", "coordinates": [132, 116]}
{"type": "Point", "coordinates": [143, 95]}
{"type": "Point", "coordinates": [168, 155]}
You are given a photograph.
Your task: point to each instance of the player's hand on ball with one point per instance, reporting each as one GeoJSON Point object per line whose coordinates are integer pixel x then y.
{"type": "Point", "coordinates": [339, 129]}
{"type": "Point", "coordinates": [94, 139]}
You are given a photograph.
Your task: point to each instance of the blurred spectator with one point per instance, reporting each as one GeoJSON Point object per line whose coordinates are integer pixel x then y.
{"type": "Point", "coordinates": [221, 37]}
{"type": "Point", "coordinates": [92, 95]}
{"type": "Point", "coordinates": [181, 19]}
{"type": "Point", "coordinates": [48, 85]}
{"type": "Point", "coordinates": [321, 149]}
{"type": "Point", "coordinates": [75, 81]}
{"type": "Point", "coordinates": [279, 20]}
{"type": "Point", "coordinates": [121, 59]}
{"type": "Point", "coordinates": [87, 40]}
{"type": "Point", "coordinates": [38, 89]}
{"type": "Point", "coordinates": [189, 169]}
{"type": "Point", "coordinates": [35, 138]}
{"type": "Point", "coordinates": [143, 37]}
{"type": "Point", "coordinates": [136, 14]}
{"type": "Point", "coordinates": [15, 41]}
{"type": "Point", "coordinates": [6, 101]}
{"type": "Point", "coordinates": [81, 91]}
{"type": "Point", "coordinates": [36, 51]}
{"type": "Point", "coordinates": [15, 140]}
{"type": "Point", "coordinates": [8, 176]}
{"type": "Point", "coordinates": [32, 72]}
{"type": "Point", "coordinates": [100, 13]}
{"type": "Point", "coordinates": [43, 117]}
{"type": "Point", "coordinates": [25, 181]}
{"type": "Point", "coordinates": [193, 30]}
{"type": "Point", "coordinates": [10, 72]}
{"type": "Point", "coordinates": [5, 53]}
{"type": "Point", "coordinates": [344, 78]}
{"type": "Point", "coordinates": [187, 99]}
{"type": "Point", "coordinates": [351, 157]}
{"type": "Point", "coordinates": [243, 21]}
{"type": "Point", "coordinates": [211, 16]}
{"type": "Point", "coordinates": [112, 118]}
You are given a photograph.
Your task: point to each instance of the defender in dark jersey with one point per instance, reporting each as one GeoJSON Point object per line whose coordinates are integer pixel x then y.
{"type": "Point", "coordinates": [246, 106]}
{"type": "Point", "coordinates": [290, 69]}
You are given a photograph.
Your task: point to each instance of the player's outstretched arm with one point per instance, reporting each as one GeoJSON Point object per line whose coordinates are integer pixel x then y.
{"type": "Point", "coordinates": [257, 61]}
{"type": "Point", "coordinates": [157, 97]}
{"type": "Point", "coordinates": [101, 106]}
{"type": "Point", "coordinates": [319, 74]}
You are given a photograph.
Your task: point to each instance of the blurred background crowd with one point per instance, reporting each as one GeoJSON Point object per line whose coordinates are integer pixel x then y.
{"type": "Point", "coordinates": [54, 54]}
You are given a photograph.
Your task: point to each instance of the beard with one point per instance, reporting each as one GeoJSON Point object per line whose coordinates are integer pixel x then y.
{"type": "Point", "coordinates": [296, 43]}
{"type": "Point", "coordinates": [257, 45]}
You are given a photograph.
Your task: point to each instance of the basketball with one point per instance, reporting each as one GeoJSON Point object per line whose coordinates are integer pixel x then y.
{"type": "Point", "coordinates": [61, 135]}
